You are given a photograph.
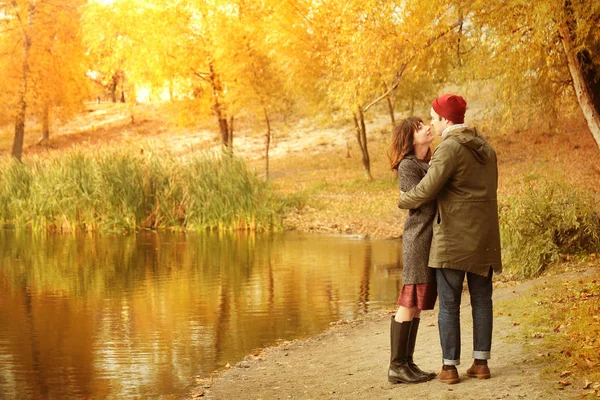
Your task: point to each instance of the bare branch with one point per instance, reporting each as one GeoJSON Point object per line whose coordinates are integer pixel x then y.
{"type": "Point", "coordinates": [205, 76]}
{"type": "Point", "coordinates": [400, 71]}
{"type": "Point", "coordinates": [391, 89]}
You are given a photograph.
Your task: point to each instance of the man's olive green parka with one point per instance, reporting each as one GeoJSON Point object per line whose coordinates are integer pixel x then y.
{"type": "Point", "coordinates": [463, 177]}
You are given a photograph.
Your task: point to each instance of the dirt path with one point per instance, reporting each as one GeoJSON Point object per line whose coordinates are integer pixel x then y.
{"type": "Point", "coordinates": [350, 360]}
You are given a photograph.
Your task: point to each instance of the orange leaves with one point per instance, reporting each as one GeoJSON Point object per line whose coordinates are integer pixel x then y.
{"type": "Point", "coordinates": [566, 319]}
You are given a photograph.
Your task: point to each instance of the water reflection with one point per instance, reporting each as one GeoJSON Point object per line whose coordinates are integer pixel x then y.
{"type": "Point", "coordinates": [141, 316]}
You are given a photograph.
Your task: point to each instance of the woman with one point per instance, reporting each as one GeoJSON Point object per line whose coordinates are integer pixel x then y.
{"type": "Point", "coordinates": [409, 154]}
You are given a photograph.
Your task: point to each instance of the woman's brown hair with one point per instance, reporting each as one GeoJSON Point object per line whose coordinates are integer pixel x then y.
{"type": "Point", "coordinates": [402, 141]}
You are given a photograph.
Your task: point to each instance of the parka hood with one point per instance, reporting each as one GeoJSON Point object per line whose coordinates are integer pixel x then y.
{"type": "Point", "coordinates": [470, 138]}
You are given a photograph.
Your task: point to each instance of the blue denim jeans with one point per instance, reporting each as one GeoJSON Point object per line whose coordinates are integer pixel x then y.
{"type": "Point", "coordinates": [450, 286]}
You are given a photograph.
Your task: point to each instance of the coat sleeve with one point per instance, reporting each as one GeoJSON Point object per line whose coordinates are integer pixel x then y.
{"type": "Point", "coordinates": [441, 168]}
{"type": "Point", "coordinates": [409, 175]}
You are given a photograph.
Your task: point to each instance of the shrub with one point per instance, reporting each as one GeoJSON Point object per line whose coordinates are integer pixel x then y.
{"type": "Point", "coordinates": [546, 218]}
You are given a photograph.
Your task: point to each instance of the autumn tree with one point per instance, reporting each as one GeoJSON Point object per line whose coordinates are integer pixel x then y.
{"type": "Point", "coordinates": [344, 33]}
{"type": "Point", "coordinates": [260, 75]}
{"type": "Point", "coordinates": [58, 83]}
{"type": "Point", "coordinates": [541, 57]}
{"type": "Point", "coordinates": [578, 30]}
{"type": "Point", "coordinates": [369, 48]}
{"type": "Point", "coordinates": [113, 35]}
{"type": "Point", "coordinates": [19, 29]}
{"type": "Point", "coordinates": [203, 55]}
{"type": "Point", "coordinates": [41, 62]}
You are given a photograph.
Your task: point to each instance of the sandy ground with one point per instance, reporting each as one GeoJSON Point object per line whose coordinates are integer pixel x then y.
{"type": "Point", "coordinates": [350, 361]}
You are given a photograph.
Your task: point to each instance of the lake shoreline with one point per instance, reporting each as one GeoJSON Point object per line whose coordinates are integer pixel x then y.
{"type": "Point", "coordinates": [350, 359]}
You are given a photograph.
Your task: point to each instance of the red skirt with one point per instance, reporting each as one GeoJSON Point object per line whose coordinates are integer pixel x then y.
{"type": "Point", "coordinates": [421, 296]}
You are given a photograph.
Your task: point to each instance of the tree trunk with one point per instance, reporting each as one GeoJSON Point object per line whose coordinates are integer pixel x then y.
{"type": "Point", "coordinates": [591, 74]}
{"type": "Point", "coordinates": [45, 140]}
{"type": "Point", "coordinates": [582, 89]}
{"type": "Point", "coordinates": [217, 90]}
{"type": "Point", "coordinates": [17, 149]}
{"type": "Point", "coordinates": [267, 144]}
{"type": "Point", "coordinates": [230, 132]}
{"type": "Point", "coordinates": [361, 137]}
{"type": "Point", "coordinates": [114, 84]}
{"type": "Point", "coordinates": [122, 76]}
{"type": "Point", "coordinates": [46, 124]}
{"type": "Point", "coordinates": [460, 33]}
{"type": "Point", "coordinates": [365, 280]}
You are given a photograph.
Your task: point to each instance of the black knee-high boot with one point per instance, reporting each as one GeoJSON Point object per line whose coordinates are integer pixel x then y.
{"type": "Point", "coordinates": [400, 371]}
{"type": "Point", "coordinates": [412, 340]}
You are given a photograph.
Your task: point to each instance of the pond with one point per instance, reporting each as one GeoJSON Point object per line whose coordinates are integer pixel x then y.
{"type": "Point", "coordinates": [145, 315]}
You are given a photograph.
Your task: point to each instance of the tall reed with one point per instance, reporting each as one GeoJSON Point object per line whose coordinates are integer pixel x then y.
{"type": "Point", "coordinates": [125, 190]}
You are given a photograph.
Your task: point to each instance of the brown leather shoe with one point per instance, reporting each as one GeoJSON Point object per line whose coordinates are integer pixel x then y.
{"type": "Point", "coordinates": [479, 371]}
{"type": "Point", "coordinates": [449, 376]}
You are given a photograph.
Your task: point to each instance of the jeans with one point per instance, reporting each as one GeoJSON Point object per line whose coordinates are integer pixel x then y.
{"type": "Point", "coordinates": [449, 286]}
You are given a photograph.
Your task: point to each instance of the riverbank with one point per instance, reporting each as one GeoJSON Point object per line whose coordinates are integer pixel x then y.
{"type": "Point", "coordinates": [350, 360]}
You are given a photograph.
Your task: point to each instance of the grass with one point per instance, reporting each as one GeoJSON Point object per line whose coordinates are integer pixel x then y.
{"type": "Point", "coordinates": [338, 197]}
{"type": "Point", "coordinates": [562, 323]}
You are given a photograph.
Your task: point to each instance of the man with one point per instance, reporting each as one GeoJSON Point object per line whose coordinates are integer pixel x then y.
{"type": "Point", "coordinates": [463, 178]}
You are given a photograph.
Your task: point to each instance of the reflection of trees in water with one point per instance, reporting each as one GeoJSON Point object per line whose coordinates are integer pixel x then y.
{"type": "Point", "coordinates": [172, 305]}
{"type": "Point", "coordinates": [245, 270]}
{"type": "Point", "coordinates": [45, 345]}
{"type": "Point", "coordinates": [222, 323]}
{"type": "Point", "coordinates": [365, 280]}
{"type": "Point", "coordinates": [30, 332]}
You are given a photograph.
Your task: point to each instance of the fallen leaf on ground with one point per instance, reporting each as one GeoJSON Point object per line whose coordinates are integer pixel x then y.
{"type": "Point", "coordinates": [564, 383]}
{"type": "Point", "coordinates": [565, 373]}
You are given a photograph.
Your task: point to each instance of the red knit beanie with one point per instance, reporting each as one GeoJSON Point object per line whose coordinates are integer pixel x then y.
{"type": "Point", "coordinates": [451, 107]}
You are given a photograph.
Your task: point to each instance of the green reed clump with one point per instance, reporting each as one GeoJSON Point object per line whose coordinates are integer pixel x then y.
{"type": "Point", "coordinates": [15, 186]}
{"type": "Point", "coordinates": [547, 218]}
{"type": "Point", "coordinates": [213, 197]}
{"type": "Point", "coordinates": [125, 190]}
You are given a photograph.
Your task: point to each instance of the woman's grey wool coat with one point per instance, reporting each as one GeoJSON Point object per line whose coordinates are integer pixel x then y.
{"type": "Point", "coordinates": [418, 228]}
